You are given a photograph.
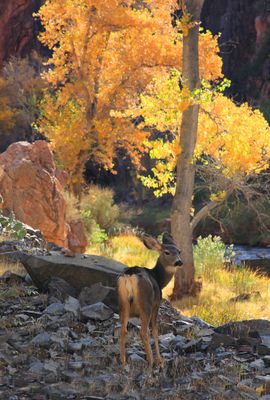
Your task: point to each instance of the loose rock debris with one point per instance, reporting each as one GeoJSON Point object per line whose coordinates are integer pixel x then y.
{"type": "Point", "coordinates": [59, 348]}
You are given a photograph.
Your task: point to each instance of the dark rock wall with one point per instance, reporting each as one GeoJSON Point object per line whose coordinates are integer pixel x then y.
{"type": "Point", "coordinates": [17, 27]}
{"type": "Point", "coordinates": [244, 26]}
{"type": "Point", "coordinates": [234, 20]}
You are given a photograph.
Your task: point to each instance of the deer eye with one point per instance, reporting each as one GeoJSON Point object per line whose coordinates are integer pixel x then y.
{"type": "Point", "coordinates": [167, 252]}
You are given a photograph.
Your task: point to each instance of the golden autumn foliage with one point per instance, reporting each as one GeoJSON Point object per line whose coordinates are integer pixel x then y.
{"type": "Point", "coordinates": [104, 54]}
{"type": "Point", "coordinates": [236, 137]}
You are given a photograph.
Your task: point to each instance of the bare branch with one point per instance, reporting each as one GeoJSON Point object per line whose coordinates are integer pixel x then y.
{"type": "Point", "coordinates": [204, 211]}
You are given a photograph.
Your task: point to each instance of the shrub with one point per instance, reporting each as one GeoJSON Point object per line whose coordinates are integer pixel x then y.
{"type": "Point", "coordinates": [98, 205]}
{"type": "Point", "coordinates": [22, 89]}
{"type": "Point", "coordinates": [96, 234]}
{"type": "Point", "coordinates": [210, 254]}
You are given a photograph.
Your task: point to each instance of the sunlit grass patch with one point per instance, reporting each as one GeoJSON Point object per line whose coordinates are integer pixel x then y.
{"type": "Point", "coordinates": [218, 303]}
{"type": "Point", "coordinates": [131, 251]}
{"type": "Point", "coordinates": [244, 280]}
{"type": "Point", "coordinates": [127, 249]}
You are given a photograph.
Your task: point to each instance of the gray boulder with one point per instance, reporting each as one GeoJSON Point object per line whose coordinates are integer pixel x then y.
{"type": "Point", "coordinates": [79, 271]}
{"type": "Point", "coordinates": [59, 289]}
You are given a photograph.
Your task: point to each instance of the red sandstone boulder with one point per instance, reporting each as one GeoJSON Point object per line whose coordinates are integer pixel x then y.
{"type": "Point", "coordinates": [77, 239]}
{"type": "Point", "coordinates": [62, 177]}
{"type": "Point", "coordinates": [31, 190]}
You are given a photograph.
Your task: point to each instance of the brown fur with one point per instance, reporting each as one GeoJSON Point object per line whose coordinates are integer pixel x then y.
{"type": "Point", "coordinates": [133, 292]}
{"type": "Point", "coordinates": [139, 294]}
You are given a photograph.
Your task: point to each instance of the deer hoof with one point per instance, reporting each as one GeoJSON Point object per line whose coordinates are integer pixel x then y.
{"type": "Point", "coordinates": [160, 363]}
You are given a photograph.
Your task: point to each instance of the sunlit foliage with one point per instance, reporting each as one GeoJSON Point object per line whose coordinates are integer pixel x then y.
{"type": "Point", "coordinates": [104, 54]}
{"type": "Point", "coordinates": [236, 137]}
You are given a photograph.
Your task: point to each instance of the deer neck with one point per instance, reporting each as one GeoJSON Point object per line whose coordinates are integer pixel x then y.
{"type": "Point", "coordinates": [163, 275]}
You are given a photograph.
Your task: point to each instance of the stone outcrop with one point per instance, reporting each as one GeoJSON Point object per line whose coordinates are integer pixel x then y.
{"type": "Point", "coordinates": [31, 190]}
{"type": "Point", "coordinates": [79, 271]}
{"type": "Point", "coordinates": [17, 27]}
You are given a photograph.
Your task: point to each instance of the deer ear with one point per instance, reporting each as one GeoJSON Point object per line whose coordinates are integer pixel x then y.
{"type": "Point", "coordinates": [167, 238]}
{"type": "Point", "coordinates": [151, 243]}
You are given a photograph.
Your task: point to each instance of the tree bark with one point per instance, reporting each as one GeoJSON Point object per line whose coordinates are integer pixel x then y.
{"type": "Point", "coordinates": [182, 202]}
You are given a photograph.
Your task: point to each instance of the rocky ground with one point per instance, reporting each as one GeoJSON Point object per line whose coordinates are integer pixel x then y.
{"type": "Point", "coordinates": [55, 347]}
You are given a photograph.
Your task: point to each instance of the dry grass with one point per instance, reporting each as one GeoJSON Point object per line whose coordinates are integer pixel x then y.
{"type": "Point", "coordinates": [72, 211]}
{"type": "Point", "coordinates": [127, 249]}
{"type": "Point", "coordinates": [17, 268]}
{"type": "Point", "coordinates": [214, 303]}
{"type": "Point", "coordinates": [14, 291]}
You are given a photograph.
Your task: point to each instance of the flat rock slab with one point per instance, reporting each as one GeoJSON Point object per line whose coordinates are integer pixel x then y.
{"type": "Point", "coordinates": [79, 271]}
{"type": "Point", "coordinates": [98, 312]}
{"type": "Point", "coordinates": [252, 328]}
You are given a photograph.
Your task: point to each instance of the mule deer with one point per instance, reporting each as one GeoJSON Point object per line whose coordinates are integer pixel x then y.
{"type": "Point", "coordinates": [139, 293]}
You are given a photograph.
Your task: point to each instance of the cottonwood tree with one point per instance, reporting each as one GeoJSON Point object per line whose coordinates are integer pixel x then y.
{"type": "Point", "coordinates": [228, 145]}
{"type": "Point", "coordinates": [103, 56]}
{"type": "Point", "coordinates": [182, 202]}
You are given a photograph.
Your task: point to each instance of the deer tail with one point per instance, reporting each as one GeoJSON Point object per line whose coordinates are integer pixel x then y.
{"type": "Point", "coordinates": [127, 288]}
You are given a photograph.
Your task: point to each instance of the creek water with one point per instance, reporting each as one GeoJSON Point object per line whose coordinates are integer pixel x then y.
{"type": "Point", "coordinates": [253, 257]}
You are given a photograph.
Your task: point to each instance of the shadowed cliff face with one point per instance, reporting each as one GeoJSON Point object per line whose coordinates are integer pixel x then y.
{"type": "Point", "coordinates": [245, 46]}
{"type": "Point", "coordinates": [17, 27]}
{"type": "Point", "coordinates": [235, 21]}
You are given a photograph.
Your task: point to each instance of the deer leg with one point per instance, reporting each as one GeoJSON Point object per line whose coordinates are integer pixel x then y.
{"type": "Point", "coordinates": [145, 338]}
{"type": "Point", "coordinates": [124, 315]}
{"type": "Point", "coordinates": [155, 335]}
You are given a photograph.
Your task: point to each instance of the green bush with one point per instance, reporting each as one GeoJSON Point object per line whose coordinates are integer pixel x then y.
{"type": "Point", "coordinates": [98, 205]}
{"type": "Point", "coordinates": [210, 254]}
{"type": "Point", "coordinates": [12, 228]}
{"type": "Point", "coordinates": [97, 235]}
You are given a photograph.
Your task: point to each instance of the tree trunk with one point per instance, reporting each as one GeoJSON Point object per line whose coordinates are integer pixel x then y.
{"type": "Point", "coordinates": [182, 203]}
